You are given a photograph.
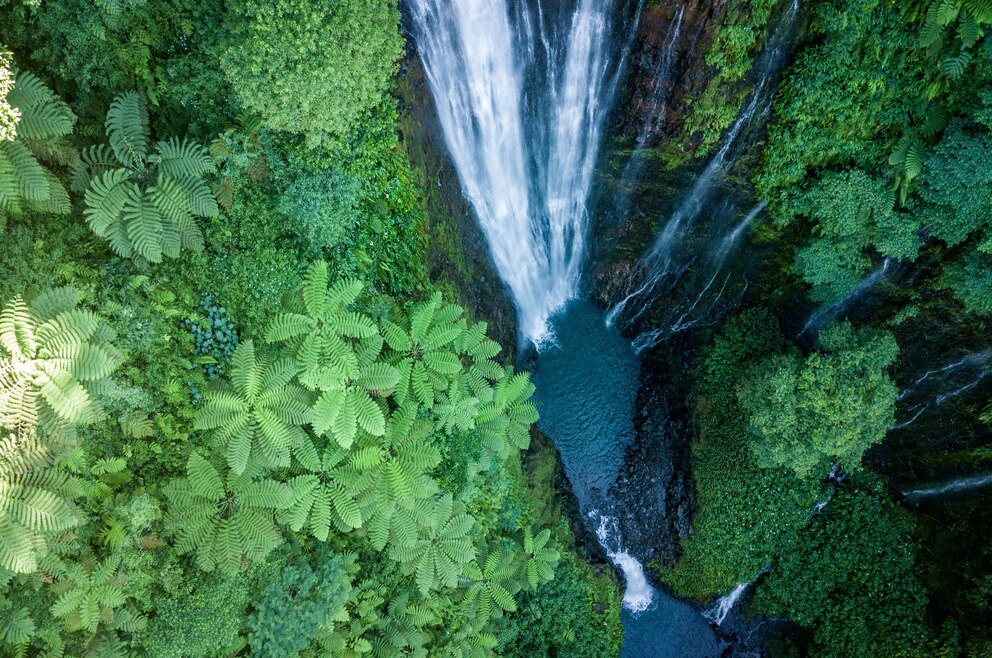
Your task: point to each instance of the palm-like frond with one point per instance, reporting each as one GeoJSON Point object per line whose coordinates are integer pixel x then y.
{"type": "Point", "coordinates": [34, 501]}
{"type": "Point", "coordinates": [228, 521]}
{"type": "Point", "coordinates": [145, 200]}
{"type": "Point", "coordinates": [90, 592]}
{"type": "Point", "coordinates": [43, 114]}
{"type": "Point", "coordinates": [41, 117]}
{"type": "Point", "coordinates": [442, 548]}
{"type": "Point", "coordinates": [52, 355]}
{"type": "Point", "coordinates": [127, 128]}
{"type": "Point", "coordinates": [258, 417]}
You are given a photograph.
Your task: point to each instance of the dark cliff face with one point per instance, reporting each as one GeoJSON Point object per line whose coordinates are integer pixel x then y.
{"type": "Point", "coordinates": [636, 185]}
{"type": "Point", "coordinates": [667, 68]}
{"type": "Point", "coordinates": [457, 255]}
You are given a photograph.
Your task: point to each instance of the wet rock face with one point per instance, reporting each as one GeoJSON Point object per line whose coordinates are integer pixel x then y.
{"type": "Point", "coordinates": [667, 67]}
{"type": "Point", "coordinates": [653, 486]}
{"type": "Point", "coordinates": [457, 253]}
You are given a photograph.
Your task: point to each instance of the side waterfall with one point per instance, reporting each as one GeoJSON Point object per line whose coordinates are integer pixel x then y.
{"type": "Point", "coordinates": [825, 314]}
{"type": "Point", "coordinates": [663, 265]}
{"type": "Point", "coordinates": [522, 95]}
{"type": "Point", "coordinates": [937, 386]}
{"type": "Point", "coordinates": [958, 485]}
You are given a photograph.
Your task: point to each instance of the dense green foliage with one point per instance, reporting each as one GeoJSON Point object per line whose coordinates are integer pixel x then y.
{"type": "Point", "coordinates": [311, 68]}
{"type": "Point", "coordinates": [877, 150]}
{"type": "Point", "coordinates": [853, 582]}
{"type": "Point", "coordinates": [747, 514]}
{"type": "Point", "coordinates": [830, 407]}
{"type": "Point", "coordinates": [217, 441]}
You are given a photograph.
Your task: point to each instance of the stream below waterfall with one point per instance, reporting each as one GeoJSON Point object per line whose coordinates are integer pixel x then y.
{"type": "Point", "coordinates": [523, 93]}
{"type": "Point", "coordinates": [587, 379]}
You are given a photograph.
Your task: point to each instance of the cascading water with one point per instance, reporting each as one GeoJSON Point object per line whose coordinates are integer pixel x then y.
{"type": "Point", "coordinates": [522, 94]}
{"type": "Point", "coordinates": [937, 386]}
{"type": "Point", "coordinates": [718, 612]}
{"type": "Point", "coordinates": [958, 485]}
{"type": "Point", "coordinates": [665, 262]}
{"type": "Point", "coordinates": [704, 301]}
{"type": "Point", "coordinates": [825, 314]}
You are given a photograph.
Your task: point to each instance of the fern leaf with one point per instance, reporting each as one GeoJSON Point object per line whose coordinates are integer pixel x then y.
{"type": "Point", "coordinates": [43, 114]}
{"type": "Point", "coordinates": [105, 200]}
{"type": "Point", "coordinates": [183, 159]}
{"type": "Point", "coordinates": [127, 128]}
{"type": "Point", "coordinates": [31, 181]}
{"type": "Point", "coordinates": [954, 67]}
{"type": "Point", "coordinates": [144, 226]}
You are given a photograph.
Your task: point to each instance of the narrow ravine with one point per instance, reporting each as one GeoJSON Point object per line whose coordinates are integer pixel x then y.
{"type": "Point", "coordinates": [523, 94]}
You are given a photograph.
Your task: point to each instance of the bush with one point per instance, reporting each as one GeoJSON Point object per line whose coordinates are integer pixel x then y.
{"type": "Point", "coordinates": [311, 68]}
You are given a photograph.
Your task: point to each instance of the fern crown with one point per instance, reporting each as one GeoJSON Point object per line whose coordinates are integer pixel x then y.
{"type": "Point", "coordinates": [144, 198]}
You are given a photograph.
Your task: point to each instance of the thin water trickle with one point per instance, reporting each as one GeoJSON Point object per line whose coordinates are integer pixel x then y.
{"type": "Point", "coordinates": [825, 314]}
{"type": "Point", "coordinates": [662, 266]}
{"type": "Point", "coordinates": [718, 612]}
{"type": "Point", "coordinates": [938, 385]}
{"type": "Point", "coordinates": [958, 485]}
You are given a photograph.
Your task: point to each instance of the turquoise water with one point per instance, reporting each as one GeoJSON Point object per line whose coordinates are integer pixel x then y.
{"type": "Point", "coordinates": [587, 382]}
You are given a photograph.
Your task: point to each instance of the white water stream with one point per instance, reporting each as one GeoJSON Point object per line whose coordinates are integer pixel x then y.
{"type": "Point", "coordinates": [522, 95]}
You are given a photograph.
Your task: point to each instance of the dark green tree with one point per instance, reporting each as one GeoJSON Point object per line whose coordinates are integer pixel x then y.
{"type": "Point", "coordinates": [310, 68]}
{"type": "Point", "coordinates": [829, 407]}
{"type": "Point", "coordinates": [293, 609]}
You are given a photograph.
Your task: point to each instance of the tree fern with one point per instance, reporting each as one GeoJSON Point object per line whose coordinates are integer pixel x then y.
{"type": "Point", "coordinates": [258, 415]}
{"type": "Point", "coordinates": [442, 548]}
{"type": "Point", "coordinates": [539, 557]}
{"type": "Point", "coordinates": [323, 337]}
{"type": "Point", "coordinates": [337, 352]}
{"type": "Point", "coordinates": [53, 355]}
{"type": "Point", "coordinates": [324, 495]}
{"type": "Point", "coordinates": [25, 184]}
{"type": "Point", "coordinates": [422, 347]}
{"type": "Point", "coordinates": [492, 583]}
{"type": "Point", "coordinates": [505, 420]}
{"type": "Point", "coordinates": [393, 473]}
{"type": "Point", "coordinates": [34, 501]}
{"type": "Point", "coordinates": [144, 198]}
{"type": "Point", "coordinates": [90, 592]}
{"type": "Point", "coordinates": [227, 520]}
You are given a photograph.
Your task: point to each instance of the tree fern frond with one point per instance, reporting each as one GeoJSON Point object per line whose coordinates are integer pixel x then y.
{"type": "Point", "coordinates": [183, 159]}
{"type": "Point", "coordinates": [954, 67]}
{"type": "Point", "coordinates": [43, 114]}
{"type": "Point", "coordinates": [127, 128]}
{"type": "Point", "coordinates": [31, 182]}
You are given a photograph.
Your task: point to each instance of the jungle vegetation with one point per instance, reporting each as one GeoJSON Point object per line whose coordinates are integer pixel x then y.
{"type": "Point", "coordinates": [876, 155]}
{"type": "Point", "coordinates": [237, 417]}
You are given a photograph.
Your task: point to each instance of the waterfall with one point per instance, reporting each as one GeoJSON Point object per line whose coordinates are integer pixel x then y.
{"type": "Point", "coordinates": [662, 266]}
{"type": "Point", "coordinates": [638, 593]}
{"type": "Point", "coordinates": [659, 94]}
{"type": "Point", "coordinates": [975, 362]}
{"type": "Point", "coordinates": [522, 96]}
{"type": "Point", "coordinates": [953, 486]}
{"type": "Point", "coordinates": [720, 608]}
{"type": "Point", "coordinates": [661, 90]}
{"type": "Point", "coordinates": [704, 302]}
{"type": "Point", "coordinates": [825, 314]}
